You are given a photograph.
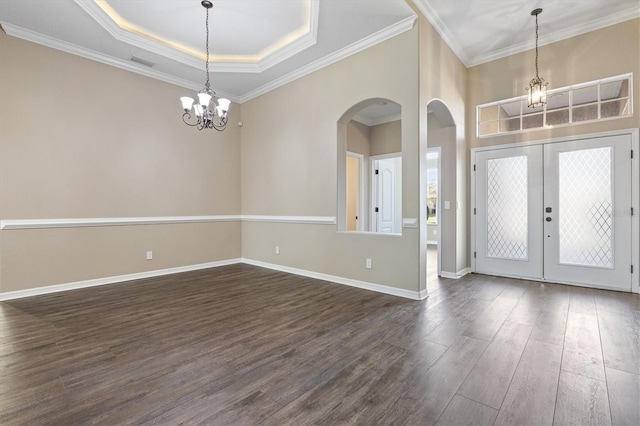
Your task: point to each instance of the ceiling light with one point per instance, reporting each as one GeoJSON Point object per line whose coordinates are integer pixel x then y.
{"type": "Point", "coordinates": [209, 114]}
{"type": "Point", "coordinates": [537, 86]}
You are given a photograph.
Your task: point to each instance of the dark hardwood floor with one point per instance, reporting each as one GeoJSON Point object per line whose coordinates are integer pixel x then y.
{"type": "Point", "coordinates": [244, 345]}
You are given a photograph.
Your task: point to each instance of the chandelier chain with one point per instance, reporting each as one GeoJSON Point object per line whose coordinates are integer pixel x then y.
{"type": "Point", "coordinates": [536, 45]}
{"type": "Point", "coordinates": [207, 49]}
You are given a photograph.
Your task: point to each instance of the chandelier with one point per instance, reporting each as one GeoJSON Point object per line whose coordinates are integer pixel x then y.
{"type": "Point", "coordinates": [209, 114]}
{"type": "Point", "coordinates": [537, 86]}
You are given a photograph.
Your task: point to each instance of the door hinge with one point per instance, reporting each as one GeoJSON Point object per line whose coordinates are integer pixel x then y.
{"type": "Point", "coordinates": [474, 167]}
{"type": "Point", "coordinates": [631, 211]}
{"type": "Point", "coordinates": [632, 269]}
{"type": "Point", "coordinates": [631, 153]}
{"type": "Point", "coordinates": [474, 210]}
{"type": "Point", "coordinates": [377, 171]}
{"type": "Point", "coordinates": [376, 210]}
{"type": "Point", "coordinates": [474, 254]}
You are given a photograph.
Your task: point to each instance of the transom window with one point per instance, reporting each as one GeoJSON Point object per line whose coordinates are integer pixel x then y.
{"type": "Point", "coordinates": [596, 100]}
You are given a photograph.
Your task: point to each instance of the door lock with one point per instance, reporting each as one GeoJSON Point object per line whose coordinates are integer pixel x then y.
{"type": "Point", "coordinates": [548, 219]}
{"type": "Point", "coordinates": [548, 210]}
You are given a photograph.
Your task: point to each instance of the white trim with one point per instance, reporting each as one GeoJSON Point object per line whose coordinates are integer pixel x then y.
{"type": "Point", "coordinates": [223, 64]}
{"type": "Point", "coordinates": [604, 21]}
{"type": "Point", "coordinates": [112, 280]}
{"type": "Point", "coordinates": [34, 37]}
{"type": "Point", "coordinates": [114, 221]}
{"type": "Point", "coordinates": [571, 88]}
{"type": "Point", "coordinates": [431, 15]}
{"type": "Point", "coordinates": [320, 220]}
{"type": "Point", "coordinates": [432, 242]}
{"type": "Point", "coordinates": [409, 294]}
{"type": "Point", "coordinates": [455, 275]}
{"type": "Point", "coordinates": [469, 61]}
{"type": "Point", "coordinates": [382, 35]}
{"type": "Point", "coordinates": [378, 37]}
{"type": "Point", "coordinates": [554, 140]}
{"type": "Point", "coordinates": [376, 121]}
{"type": "Point", "coordinates": [409, 222]}
{"type": "Point", "coordinates": [128, 221]}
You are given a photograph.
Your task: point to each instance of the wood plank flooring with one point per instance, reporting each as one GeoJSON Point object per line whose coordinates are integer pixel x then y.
{"type": "Point", "coordinates": [242, 345]}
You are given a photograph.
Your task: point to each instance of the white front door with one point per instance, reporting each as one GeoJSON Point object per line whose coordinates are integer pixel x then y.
{"type": "Point", "coordinates": [559, 212]}
{"type": "Point", "coordinates": [508, 205]}
{"type": "Point", "coordinates": [587, 218]}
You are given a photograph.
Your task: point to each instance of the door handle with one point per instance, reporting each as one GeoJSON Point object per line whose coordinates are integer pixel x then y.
{"type": "Point", "coordinates": [548, 219]}
{"type": "Point", "coordinates": [548, 210]}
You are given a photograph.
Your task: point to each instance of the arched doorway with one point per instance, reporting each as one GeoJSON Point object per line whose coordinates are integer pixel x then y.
{"type": "Point", "coordinates": [438, 177]}
{"type": "Point", "coordinates": [369, 166]}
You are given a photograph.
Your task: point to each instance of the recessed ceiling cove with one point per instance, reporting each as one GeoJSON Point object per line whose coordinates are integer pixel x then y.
{"type": "Point", "coordinates": [249, 36]}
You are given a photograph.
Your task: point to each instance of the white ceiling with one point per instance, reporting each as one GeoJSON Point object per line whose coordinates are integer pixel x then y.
{"type": "Point", "coordinates": [258, 45]}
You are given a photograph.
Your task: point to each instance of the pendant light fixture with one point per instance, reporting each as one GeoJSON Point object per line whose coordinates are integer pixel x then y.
{"type": "Point", "coordinates": [537, 86]}
{"type": "Point", "coordinates": [209, 114]}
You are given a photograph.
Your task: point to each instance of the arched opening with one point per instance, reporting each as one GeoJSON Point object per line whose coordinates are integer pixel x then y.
{"type": "Point", "coordinates": [438, 181]}
{"type": "Point", "coordinates": [369, 166]}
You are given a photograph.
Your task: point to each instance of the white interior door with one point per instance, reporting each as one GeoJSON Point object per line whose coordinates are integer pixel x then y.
{"type": "Point", "coordinates": [508, 205]}
{"type": "Point", "coordinates": [587, 225]}
{"type": "Point", "coordinates": [387, 190]}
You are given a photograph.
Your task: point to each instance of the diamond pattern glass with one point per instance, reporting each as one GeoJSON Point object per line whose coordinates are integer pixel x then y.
{"type": "Point", "coordinates": [507, 208]}
{"type": "Point", "coordinates": [586, 207]}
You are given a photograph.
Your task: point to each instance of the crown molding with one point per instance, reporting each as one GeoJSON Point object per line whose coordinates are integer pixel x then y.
{"type": "Point", "coordinates": [376, 121]}
{"type": "Point", "coordinates": [378, 37]}
{"type": "Point", "coordinates": [604, 21]}
{"type": "Point", "coordinates": [431, 15]}
{"type": "Point", "coordinates": [281, 54]}
{"type": "Point", "coordinates": [34, 37]}
{"type": "Point", "coordinates": [469, 60]}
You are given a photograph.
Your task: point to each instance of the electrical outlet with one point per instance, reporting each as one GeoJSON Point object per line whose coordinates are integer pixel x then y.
{"type": "Point", "coordinates": [367, 263]}
{"type": "Point", "coordinates": [277, 249]}
{"type": "Point", "coordinates": [149, 255]}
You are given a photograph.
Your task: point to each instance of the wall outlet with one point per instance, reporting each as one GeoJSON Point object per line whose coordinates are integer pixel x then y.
{"type": "Point", "coordinates": [277, 249]}
{"type": "Point", "coordinates": [367, 263]}
{"type": "Point", "coordinates": [149, 255]}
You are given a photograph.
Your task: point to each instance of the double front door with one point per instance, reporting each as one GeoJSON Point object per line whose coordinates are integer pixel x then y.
{"type": "Point", "coordinates": [559, 212]}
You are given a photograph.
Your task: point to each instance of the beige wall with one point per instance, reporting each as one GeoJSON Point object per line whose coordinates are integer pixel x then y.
{"type": "Point", "coordinates": [289, 166]}
{"type": "Point", "coordinates": [443, 78]}
{"type": "Point", "coordinates": [599, 54]}
{"type": "Point", "coordinates": [359, 138]}
{"type": "Point", "coordinates": [607, 52]}
{"type": "Point", "coordinates": [82, 139]}
{"type": "Point", "coordinates": [386, 138]}
{"type": "Point", "coordinates": [444, 137]}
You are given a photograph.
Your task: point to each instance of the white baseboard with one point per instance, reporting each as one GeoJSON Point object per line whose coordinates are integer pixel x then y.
{"type": "Point", "coordinates": [409, 294]}
{"type": "Point", "coordinates": [456, 275]}
{"type": "Point", "coordinates": [111, 280]}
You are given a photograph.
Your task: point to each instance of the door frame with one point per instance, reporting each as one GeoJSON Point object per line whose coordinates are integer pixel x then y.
{"type": "Point", "coordinates": [362, 223]}
{"type": "Point", "coordinates": [438, 149]}
{"type": "Point", "coordinates": [635, 192]}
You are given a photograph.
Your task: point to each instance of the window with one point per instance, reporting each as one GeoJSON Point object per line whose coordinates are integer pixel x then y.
{"type": "Point", "coordinates": [595, 100]}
